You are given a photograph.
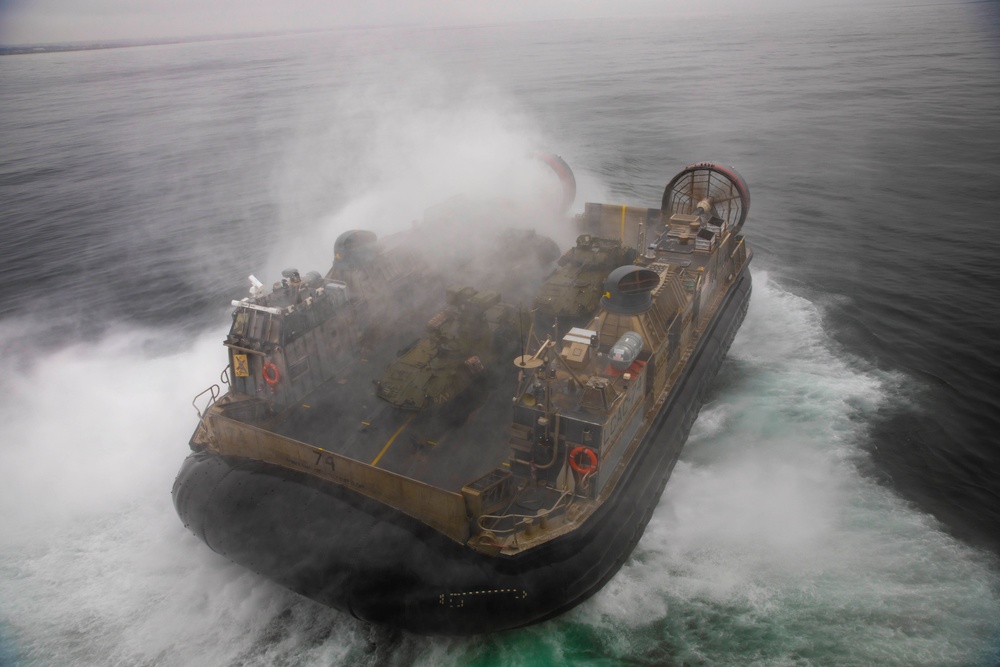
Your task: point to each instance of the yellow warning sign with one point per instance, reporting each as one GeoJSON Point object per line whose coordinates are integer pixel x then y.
{"type": "Point", "coordinates": [240, 365]}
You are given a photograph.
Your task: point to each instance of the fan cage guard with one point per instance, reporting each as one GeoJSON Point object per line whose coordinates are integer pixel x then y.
{"type": "Point", "coordinates": [727, 189]}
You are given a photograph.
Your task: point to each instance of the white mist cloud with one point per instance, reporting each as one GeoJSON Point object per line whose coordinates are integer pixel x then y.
{"type": "Point", "coordinates": [93, 427]}
{"type": "Point", "coordinates": [379, 156]}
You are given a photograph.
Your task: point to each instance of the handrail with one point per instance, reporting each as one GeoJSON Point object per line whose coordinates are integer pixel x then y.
{"type": "Point", "coordinates": [542, 513]}
{"type": "Point", "coordinates": [215, 393]}
{"type": "Point", "coordinates": [739, 246]}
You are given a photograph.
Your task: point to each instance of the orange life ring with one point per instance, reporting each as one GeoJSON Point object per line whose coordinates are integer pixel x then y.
{"type": "Point", "coordinates": [270, 373]}
{"type": "Point", "coordinates": [575, 464]}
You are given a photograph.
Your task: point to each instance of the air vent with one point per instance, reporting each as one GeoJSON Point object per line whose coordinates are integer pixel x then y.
{"type": "Point", "coordinates": [628, 289]}
{"type": "Point", "coordinates": [355, 249]}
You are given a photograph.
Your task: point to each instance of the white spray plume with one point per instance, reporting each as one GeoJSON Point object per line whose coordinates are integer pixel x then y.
{"type": "Point", "coordinates": [377, 157]}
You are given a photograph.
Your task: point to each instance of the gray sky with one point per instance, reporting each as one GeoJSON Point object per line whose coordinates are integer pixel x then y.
{"type": "Point", "coordinates": [41, 21]}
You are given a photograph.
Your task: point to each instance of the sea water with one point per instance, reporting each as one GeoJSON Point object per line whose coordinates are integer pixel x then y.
{"type": "Point", "coordinates": [836, 503]}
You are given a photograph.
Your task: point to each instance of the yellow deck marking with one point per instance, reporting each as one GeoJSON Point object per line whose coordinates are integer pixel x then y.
{"type": "Point", "coordinates": [394, 436]}
{"type": "Point", "coordinates": [623, 224]}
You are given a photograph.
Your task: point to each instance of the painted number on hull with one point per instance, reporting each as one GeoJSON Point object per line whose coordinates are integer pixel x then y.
{"type": "Point", "coordinates": [328, 460]}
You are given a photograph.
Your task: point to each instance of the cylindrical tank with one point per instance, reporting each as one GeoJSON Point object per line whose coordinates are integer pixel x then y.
{"type": "Point", "coordinates": [625, 350]}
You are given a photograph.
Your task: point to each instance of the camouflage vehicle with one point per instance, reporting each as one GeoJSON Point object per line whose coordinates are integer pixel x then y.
{"type": "Point", "coordinates": [461, 348]}
{"type": "Point", "coordinates": [571, 294]}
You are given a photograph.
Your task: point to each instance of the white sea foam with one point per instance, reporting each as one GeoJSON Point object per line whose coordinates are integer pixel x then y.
{"type": "Point", "coordinates": [769, 533]}
{"type": "Point", "coordinates": [96, 567]}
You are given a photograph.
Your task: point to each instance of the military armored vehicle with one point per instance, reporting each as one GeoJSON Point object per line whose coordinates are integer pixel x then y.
{"type": "Point", "coordinates": [461, 349]}
{"type": "Point", "coordinates": [570, 295]}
